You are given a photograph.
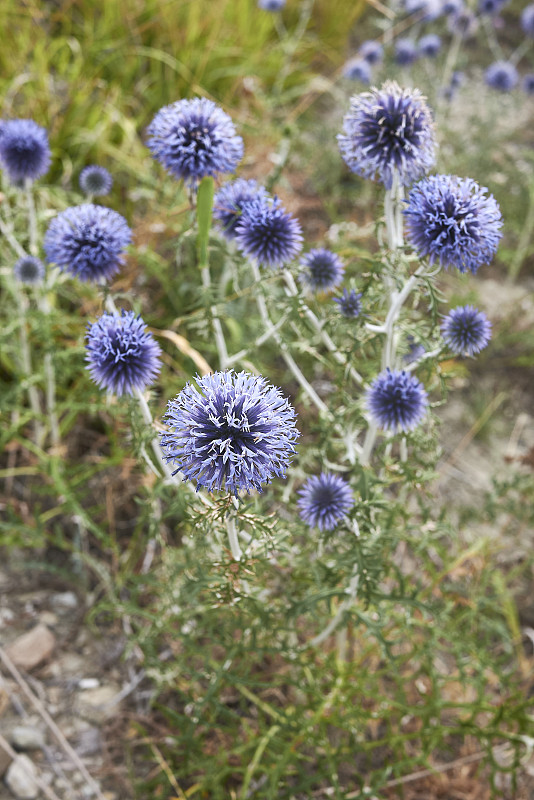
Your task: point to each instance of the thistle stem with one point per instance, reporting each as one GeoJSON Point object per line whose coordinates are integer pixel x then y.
{"type": "Point", "coordinates": [295, 370]}
{"type": "Point", "coordinates": [317, 325]}
{"type": "Point", "coordinates": [32, 216]}
{"type": "Point", "coordinates": [232, 537]}
{"type": "Point", "coordinates": [217, 327]}
{"type": "Point", "coordinates": [33, 393]}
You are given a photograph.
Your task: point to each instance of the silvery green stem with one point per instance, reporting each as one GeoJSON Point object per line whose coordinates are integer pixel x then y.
{"type": "Point", "coordinates": [25, 352]}
{"type": "Point", "coordinates": [351, 592]}
{"type": "Point", "coordinates": [295, 370]}
{"type": "Point", "coordinates": [6, 232]}
{"type": "Point", "coordinates": [232, 537]}
{"type": "Point", "coordinates": [50, 382]}
{"type": "Point", "coordinates": [257, 343]}
{"type": "Point", "coordinates": [450, 63]}
{"type": "Point", "coordinates": [217, 327]}
{"type": "Point", "coordinates": [32, 217]}
{"type": "Point", "coordinates": [325, 338]}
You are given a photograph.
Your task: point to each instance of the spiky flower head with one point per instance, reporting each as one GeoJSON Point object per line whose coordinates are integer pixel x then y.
{"type": "Point", "coordinates": [234, 432]}
{"type": "Point", "coordinates": [88, 241]}
{"type": "Point", "coordinates": [387, 131]}
{"type": "Point", "coordinates": [451, 220]}
{"type": "Point", "coordinates": [396, 401]}
{"type": "Point", "coordinates": [371, 51]}
{"type": "Point", "coordinates": [122, 356]}
{"type": "Point", "coordinates": [463, 23]}
{"type": "Point", "coordinates": [527, 20]}
{"type": "Point", "coordinates": [452, 6]}
{"type": "Point", "coordinates": [193, 139]}
{"type": "Point", "coordinates": [24, 149]}
{"type": "Point", "coordinates": [95, 180]}
{"type": "Point", "coordinates": [429, 45]}
{"type": "Point", "coordinates": [491, 7]}
{"type": "Point", "coordinates": [323, 270]}
{"type": "Point", "coordinates": [268, 233]}
{"type": "Point", "coordinates": [350, 303]}
{"type": "Point", "coordinates": [502, 75]}
{"type": "Point", "coordinates": [357, 69]}
{"type": "Point", "coordinates": [405, 52]}
{"type": "Point", "coordinates": [230, 200]}
{"type": "Point", "coordinates": [271, 5]}
{"type": "Point", "coordinates": [29, 270]}
{"type": "Point", "coordinates": [466, 330]}
{"type": "Point", "coordinates": [324, 500]}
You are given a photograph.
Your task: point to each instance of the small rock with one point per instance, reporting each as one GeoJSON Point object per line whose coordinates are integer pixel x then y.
{"type": "Point", "coordinates": [5, 761]}
{"type": "Point", "coordinates": [26, 738]}
{"type": "Point", "coordinates": [30, 649]}
{"type": "Point", "coordinates": [88, 683]}
{"type": "Point", "coordinates": [64, 601]}
{"type": "Point", "coordinates": [48, 618]}
{"type": "Point", "coordinates": [89, 742]}
{"type": "Point", "coordinates": [20, 778]}
{"type": "Point", "coordinates": [92, 703]}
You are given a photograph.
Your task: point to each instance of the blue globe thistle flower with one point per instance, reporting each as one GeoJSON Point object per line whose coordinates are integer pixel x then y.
{"type": "Point", "coordinates": [451, 220]}
{"type": "Point", "coordinates": [324, 500]}
{"type": "Point", "coordinates": [357, 69]}
{"type": "Point", "coordinates": [396, 401]}
{"type": "Point", "coordinates": [528, 83]}
{"type": "Point", "coordinates": [24, 149]}
{"type": "Point", "coordinates": [88, 241]}
{"type": "Point", "coordinates": [323, 270]}
{"type": "Point", "coordinates": [268, 233]}
{"type": "Point", "coordinates": [405, 52]}
{"type": "Point", "coordinates": [527, 20]}
{"type": "Point", "coordinates": [230, 200]}
{"type": "Point", "coordinates": [463, 23]}
{"type": "Point", "coordinates": [491, 7]}
{"type": "Point", "coordinates": [426, 9]}
{"type": "Point", "coordinates": [122, 356]}
{"type": "Point", "coordinates": [350, 304]}
{"type": "Point", "coordinates": [235, 432]}
{"type": "Point", "coordinates": [388, 130]}
{"type": "Point", "coordinates": [29, 270]}
{"type": "Point", "coordinates": [95, 180]}
{"type": "Point", "coordinates": [271, 5]}
{"type": "Point", "coordinates": [193, 139]}
{"type": "Point", "coordinates": [502, 75]}
{"type": "Point", "coordinates": [429, 45]}
{"type": "Point", "coordinates": [466, 330]}
{"type": "Point", "coordinates": [452, 6]}
{"type": "Point", "coordinates": [371, 51]}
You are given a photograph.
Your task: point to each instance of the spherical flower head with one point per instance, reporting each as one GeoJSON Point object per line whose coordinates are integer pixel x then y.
{"type": "Point", "coordinates": [88, 241]}
{"type": "Point", "coordinates": [387, 131]}
{"type": "Point", "coordinates": [371, 51]}
{"type": "Point", "coordinates": [268, 233]}
{"type": "Point", "coordinates": [95, 180]}
{"type": "Point", "coordinates": [452, 6]}
{"type": "Point", "coordinates": [405, 52]}
{"type": "Point", "coordinates": [235, 432]}
{"type": "Point", "coordinates": [350, 304]}
{"type": "Point", "coordinates": [466, 330]}
{"type": "Point", "coordinates": [502, 75]}
{"type": "Point", "coordinates": [490, 7]}
{"type": "Point", "coordinates": [122, 356]}
{"type": "Point", "coordinates": [451, 220]}
{"type": "Point", "coordinates": [528, 83]}
{"type": "Point", "coordinates": [230, 200]}
{"type": "Point", "coordinates": [324, 500]}
{"type": "Point", "coordinates": [357, 69]}
{"type": "Point", "coordinates": [24, 149]}
{"type": "Point", "coordinates": [193, 139]}
{"type": "Point", "coordinates": [29, 270]}
{"type": "Point", "coordinates": [396, 401]}
{"type": "Point", "coordinates": [463, 23]}
{"type": "Point", "coordinates": [425, 9]}
{"type": "Point", "coordinates": [429, 45]}
{"type": "Point", "coordinates": [271, 5]}
{"type": "Point", "coordinates": [323, 270]}
{"type": "Point", "coordinates": [527, 20]}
